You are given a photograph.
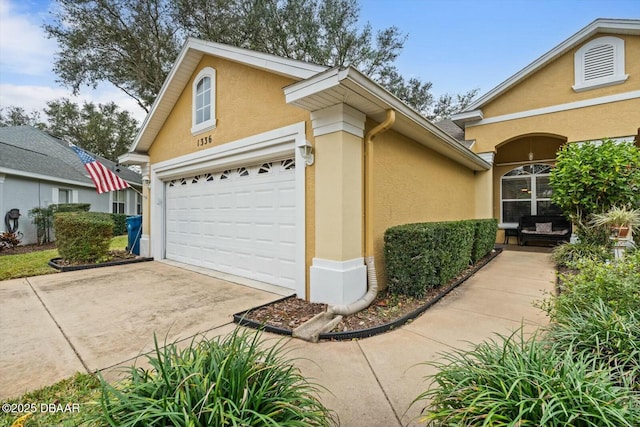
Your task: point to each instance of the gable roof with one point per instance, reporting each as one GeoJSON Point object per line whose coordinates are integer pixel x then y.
{"type": "Point", "coordinates": [30, 152]}
{"type": "Point", "coordinates": [184, 67]}
{"type": "Point", "coordinates": [599, 26]}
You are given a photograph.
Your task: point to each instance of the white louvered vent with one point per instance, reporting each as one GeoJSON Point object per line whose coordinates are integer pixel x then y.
{"type": "Point", "coordinates": [599, 61]}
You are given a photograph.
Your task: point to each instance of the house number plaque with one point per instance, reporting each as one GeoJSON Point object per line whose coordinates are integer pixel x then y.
{"type": "Point", "coordinates": [204, 141]}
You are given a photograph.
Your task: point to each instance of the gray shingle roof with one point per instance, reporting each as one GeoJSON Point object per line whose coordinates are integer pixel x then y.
{"type": "Point", "coordinates": [448, 126]}
{"type": "Point", "coordinates": [30, 150]}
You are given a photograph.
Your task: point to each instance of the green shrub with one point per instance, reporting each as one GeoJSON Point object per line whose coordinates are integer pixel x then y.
{"type": "Point", "coordinates": [83, 237]}
{"type": "Point", "coordinates": [228, 381]}
{"type": "Point", "coordinates": [426, 255]}
{"type": "Point", "coordinates": [485, 238]}
{"type": "Point", "coordinates": [590, 178]}
{"type": "Point", "coordinates": [602, 336]}
{"type": "Point", "coordinates": [617, 284]}
{"type": "Point", "coordinates": [43, 220]}
{"type": "Point", "coordinates": [515, 382]}
{"type": "Point", "coordinates": [72, 207]}
{"type": "Point", "coordinates": [119, 224]}
{"type": "Point", "coordinates": [572, 254]}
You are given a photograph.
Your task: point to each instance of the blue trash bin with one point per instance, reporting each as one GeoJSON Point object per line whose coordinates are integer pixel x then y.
{"type": "Point", "coordinates": [134, 232]}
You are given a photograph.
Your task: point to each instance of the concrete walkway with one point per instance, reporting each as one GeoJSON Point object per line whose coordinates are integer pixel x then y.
{"type": "Point", "coordinates": [56, 325]}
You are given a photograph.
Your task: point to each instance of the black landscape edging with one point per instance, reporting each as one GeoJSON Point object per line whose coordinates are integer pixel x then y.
{"type": "Point", "coordinates": [369, 332]}
{"type": "Point", "coordinates": [53, 263]}
{"type": "Point", "coordinates": [239, 318]}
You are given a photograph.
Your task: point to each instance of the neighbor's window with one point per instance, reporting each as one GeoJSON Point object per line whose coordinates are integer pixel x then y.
{"type": "Point", "coordinates": [138, 204]}
{"type": "Point", "coordinates": [599, 63]}
{"type": "Point", "coordinates": [64, 196]}
{"type": "Point", "coordinates": [525, 190]}
{"type": "Point", "coordinates": [204, 107]}
{"type": "Point", "coordinates": [118, 201]}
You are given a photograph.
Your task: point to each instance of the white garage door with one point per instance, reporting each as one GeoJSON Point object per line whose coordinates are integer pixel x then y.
{"type": "Point", "coordinates": [239, 221]}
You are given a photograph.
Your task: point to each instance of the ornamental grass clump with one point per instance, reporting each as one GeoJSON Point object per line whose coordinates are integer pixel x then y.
{"type": "Point", "coordinates": [601, 336]}
{"type": "Point", "coordinates": [515, 381]}
{"type": "Point", "coordinates": [231, 381]}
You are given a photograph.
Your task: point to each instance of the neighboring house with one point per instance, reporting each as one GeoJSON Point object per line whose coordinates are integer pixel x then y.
{"type": "Point", "coordinates": [37, 169]}
{"type": "Point", "coordinates": [585, 89]}
{"type": "Point", "coordinates": [289, 173]}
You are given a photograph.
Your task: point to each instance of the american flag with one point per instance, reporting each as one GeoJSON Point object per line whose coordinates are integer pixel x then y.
{"type": "Point", "coordinates": [102, 177]}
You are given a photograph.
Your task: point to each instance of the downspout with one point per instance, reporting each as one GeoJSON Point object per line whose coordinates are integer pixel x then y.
{"type": "Point", "coordinates": [372, 280]}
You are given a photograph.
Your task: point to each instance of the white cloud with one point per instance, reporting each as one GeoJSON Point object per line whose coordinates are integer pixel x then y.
{"type": "Point", "coordinates": [24, 48]}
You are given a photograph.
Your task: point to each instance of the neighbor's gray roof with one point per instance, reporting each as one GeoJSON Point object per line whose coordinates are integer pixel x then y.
{"type": "Point", "coordinates": [30, 150]}
{"type": "Point", "coordinates": [448, 126]}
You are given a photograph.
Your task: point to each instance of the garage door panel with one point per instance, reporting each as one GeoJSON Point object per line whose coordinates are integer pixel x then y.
{"type": "Point", "coordinates": [237, 221]}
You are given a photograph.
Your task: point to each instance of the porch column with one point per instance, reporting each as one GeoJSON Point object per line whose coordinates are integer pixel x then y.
{"type": "Point", "coordinates": [338, 273]}
{"type": "Point", "coordinates": [145, 249]}
{"type": "Point", "coordinates": [484, 188]}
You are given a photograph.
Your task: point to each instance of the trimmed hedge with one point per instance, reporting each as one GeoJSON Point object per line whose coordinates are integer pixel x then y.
{"type": "Point", "coordinates": [83, 236]}
{"type": "Point", "coordinates": [485, 238]}
{"type": "Point", "coordinates": [119, 224]}
{"type": "Point", "coordinates": [72, 207]}
{"type": "Point", "coordinates": [427, 255]}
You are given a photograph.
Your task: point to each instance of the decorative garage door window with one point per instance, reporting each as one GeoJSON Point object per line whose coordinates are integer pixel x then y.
{"type": "Point", "coordinates": [240, 221]}
{"type": "Point", "coordinates": [264, 168]}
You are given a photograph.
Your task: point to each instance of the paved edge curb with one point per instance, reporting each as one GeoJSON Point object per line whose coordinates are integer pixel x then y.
{"type": "Point", "coordinates": [240, 319]}
{"type": "Point", "coordinates": [63, 268]}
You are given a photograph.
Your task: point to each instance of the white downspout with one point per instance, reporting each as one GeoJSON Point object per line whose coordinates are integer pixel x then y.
{"type": "Point", "coordinates": [372, 280]}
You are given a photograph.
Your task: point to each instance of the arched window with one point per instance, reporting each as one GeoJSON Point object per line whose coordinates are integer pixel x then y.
{"type": "Point", "coordinates": [525, 190]}
{"type": "Point", "coordinates": [204, 106]}
{"type": "Point", "coordinates": [599, 63]}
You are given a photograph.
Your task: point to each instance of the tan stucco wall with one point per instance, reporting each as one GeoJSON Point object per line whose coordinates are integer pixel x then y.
{"type": "Point", "coordinates": [339, 196]}
{"type": "Point", "coordinates": [248, 102]}
{"type": "Point", "coordinates": [608, 120]}
{"type": "Point", "coordinates": [552, 85]}
{"type": "Point", "coordinates": [415, 184]}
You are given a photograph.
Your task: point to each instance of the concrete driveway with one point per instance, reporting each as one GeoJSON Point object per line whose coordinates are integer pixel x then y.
{"type": "Point", "coordinates": [53, 326]}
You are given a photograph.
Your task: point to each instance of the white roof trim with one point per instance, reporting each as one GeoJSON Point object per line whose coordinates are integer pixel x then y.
{"type": "Point", "coordinates": [356, 83]}
{"type": "Point", "coordinates": [133, 159]}
{"type": "Point", "coordinates": [50, 178]}
{"type": "Point", "coordinates": [609, 26]}
{"type": "Point", "coordinates": [184, 67]}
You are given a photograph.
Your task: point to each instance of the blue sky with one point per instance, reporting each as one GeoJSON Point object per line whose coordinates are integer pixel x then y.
{"type": "Point", "coordinates": [458, 45]}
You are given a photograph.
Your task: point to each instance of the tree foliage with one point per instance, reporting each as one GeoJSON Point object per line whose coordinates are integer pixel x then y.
{"type": "Point", "coordinates": [133, 43]}
{"type": "Point", "coordinates": [17, 116]}
{"type": "Point", "coordinates": [129, 43]}
{"type": "Point", "coordinates": [591, 177]}
{"type": "Point", "coordinates": [103, 129]}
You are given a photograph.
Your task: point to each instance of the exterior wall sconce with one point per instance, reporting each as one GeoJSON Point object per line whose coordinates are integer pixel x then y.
{"type": "Point", "coordinates": [146, 182]}
{"type": "Point", "coordinates": [306, 151]}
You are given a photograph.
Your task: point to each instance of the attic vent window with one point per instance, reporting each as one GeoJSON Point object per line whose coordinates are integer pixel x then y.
{"type": "Point", "coordinates": [599, 63]}
{"type": "Point", "coordinates": [204, 101]}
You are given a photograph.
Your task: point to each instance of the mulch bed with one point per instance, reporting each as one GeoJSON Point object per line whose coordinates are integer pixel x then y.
{"type": "Point", "coordinates": [25, 249]}
{"type": "Point", "coordinates": [287, 314]}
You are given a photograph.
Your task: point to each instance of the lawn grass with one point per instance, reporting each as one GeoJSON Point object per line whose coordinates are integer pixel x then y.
{"type": "Point", "coordinates": [83, 390]}
{"type": "Point", "coordinates": [35, 263]}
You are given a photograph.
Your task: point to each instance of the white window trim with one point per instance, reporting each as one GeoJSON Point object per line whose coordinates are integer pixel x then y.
{"type": "Point", "coordinates": [618, 65]}
{"type": "Point", "coordinates": [533, 199]}
{"type": "Point", "coordinates": [207, 124]}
